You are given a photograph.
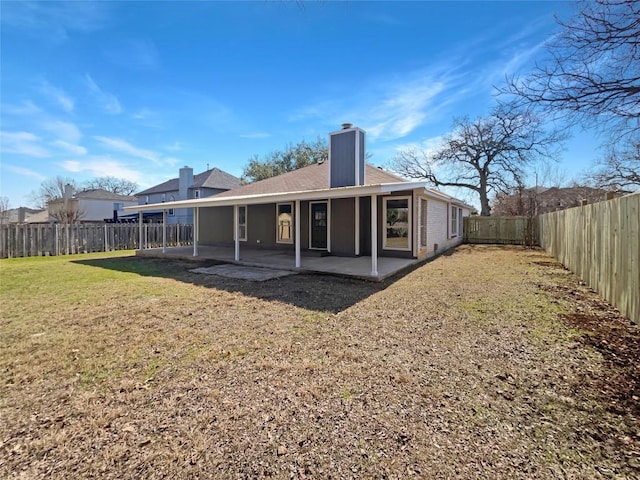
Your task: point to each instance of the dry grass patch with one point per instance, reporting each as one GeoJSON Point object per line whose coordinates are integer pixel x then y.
{"type": "Point", "coordinates": [471, 366]}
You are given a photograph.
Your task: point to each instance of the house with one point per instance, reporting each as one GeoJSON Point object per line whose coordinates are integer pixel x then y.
{"type": "Point", "coordinates": [18, 215]}
{"type": "Point", "coordinates": [92, 205]}
{"type": "Point", "coordinates": [342, 207]}
{"type": "Point", "coordinates": [186, 187]}
{"type": "Point", "coordinates": [539, 200]}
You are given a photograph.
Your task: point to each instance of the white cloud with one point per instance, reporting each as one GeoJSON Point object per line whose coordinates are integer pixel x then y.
{"type": "Point", "coordinates": [107, 101]}
{"type": "Point", "coordinates": [71, 148]}
{"type": "Point", "coordinates": [26, 108]}
{"type": "Point", "coordinates": [58, 96]}
{"type": "Point", "coordinates": [122, 146]}
{"type": "Point", "coordinates": [256, 135]}
{"type": "Point", "coordinates": [26, 172]}
{"type": "Point", "coordinates": [65, 131]}
{"type": "Point", "coordinates": [55, 20]}
{"type": "Point", "coordinates": [102, 166]}
{"type": "Point", "coordinates": [136, 54]}
{"type": "Point", "coordinates": [125, 147]}
{"type": "Point", "coordinates": [22, 143]}
{"type": "Point", "coordinates": [174, 147]}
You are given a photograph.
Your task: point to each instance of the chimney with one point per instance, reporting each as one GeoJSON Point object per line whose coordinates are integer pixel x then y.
{"type": "Point", "coordinates": [346, 157]}
{"type": "Point", "coordinates": [68, 192]}
{"type": "Point", "coordinates": [185, 182]}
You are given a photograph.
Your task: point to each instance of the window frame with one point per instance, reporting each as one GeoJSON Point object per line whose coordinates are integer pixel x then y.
{"type": "Point", "coordinates": [291, 227]}
{"type": "Point", "coordinates": [453, 221]}
{"type": "Point", "coordinates": [422, 222]}
{"type": "Point", "coordinates": [246, 212]}
{"type": "Point", "coordinates": [385, 201]}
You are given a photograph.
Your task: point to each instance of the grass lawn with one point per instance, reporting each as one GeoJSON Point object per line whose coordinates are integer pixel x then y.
{"type": "Point", "coordinates": [491, 362]}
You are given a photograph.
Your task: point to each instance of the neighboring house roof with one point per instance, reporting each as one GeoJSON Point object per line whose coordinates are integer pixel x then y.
{"type": "Point", "coordinates": [17, 215]}
{"type": "Point", "coordinates": [546, 200]}
{"type": "Point", "coordinates": [101, 194]}
{"type": "Point", "coordinates": [307, 183]}
{"type": "Point", "coordinates": [213, 178]}
{"type": "Point", "coordinates": [40, 217]}
{"type": "Point", "coordinates": [312, 177]}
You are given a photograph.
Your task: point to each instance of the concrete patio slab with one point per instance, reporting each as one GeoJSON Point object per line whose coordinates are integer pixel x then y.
{"type": "Point", "coordinates": [256, 274]}
{"type": "Point", "coordinates": [356, 267]}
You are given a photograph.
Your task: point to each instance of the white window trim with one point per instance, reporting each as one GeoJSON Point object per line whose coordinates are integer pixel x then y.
{"type": "Point", "coordinates": [196, 193]}
{"type": "Point", "coordinates": [423, 211]}
{"type": "Point", "coordinates": [452, 209]}
{"type": "Point", "coordinates": [246, 222]}
{"type": "Point", "coordinates": [286, 242]}
{"type": "Point", "coordinates": [384, 223]}
{"type": "Point", "coordinates": [328, 225]}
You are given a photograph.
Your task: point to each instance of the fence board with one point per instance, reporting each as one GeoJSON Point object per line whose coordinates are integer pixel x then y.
{"type": "Point", "coordinates": [601, 244]}
{"type": "Point", "coordinates": [505, 230]}
{"type": "Point", "coordinates": [27, 240]}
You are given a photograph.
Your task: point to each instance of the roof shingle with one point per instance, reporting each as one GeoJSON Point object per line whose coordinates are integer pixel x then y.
{"type": "Point", "coordinates": [312, 177]}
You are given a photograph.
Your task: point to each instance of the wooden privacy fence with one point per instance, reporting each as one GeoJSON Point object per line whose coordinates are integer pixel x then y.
{"type": "Point", "coordinates": [506, 230]}
{"type": "Point", "coordinates": [600, 243]}
{"type": "Point", "coordinates": [29, 240]}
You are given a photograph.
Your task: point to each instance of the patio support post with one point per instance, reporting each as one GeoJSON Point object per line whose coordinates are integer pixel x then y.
{"type": "Point", "coordinates": [164, 231]}
{"type": "Point", "coordinates": [236, 234]}
{"type": "Point", "coordinates": [374, 235]}
{"type": "Point", "coordinates": [329, 225]}
{"type": "Point", "coordinates": [298, 262]}
{"type": "Point", "coordinates": [356, 203]}
{"type": "Point", "coordinates": [140, 233]}
{"type": "Point", "coordinates": [196, 230]}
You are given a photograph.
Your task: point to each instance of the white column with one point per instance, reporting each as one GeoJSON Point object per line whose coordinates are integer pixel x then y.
{"type": "Point", "coordinates": [196, 230]}
{"type": "Point", "coordinates": [374, 235]}
{"type": "Point", "coordinates": [140, 222]}
{"type": "Point", "coordinates": [236, 233]}
{"type": "Point", "coordinates": [164, 231]}
{"type": "Point", "coordinates": [297, 220]}
{"type": "Point", "coordinates": [329, 226]}
{"type": "Point", "coordinates": [356, 202]}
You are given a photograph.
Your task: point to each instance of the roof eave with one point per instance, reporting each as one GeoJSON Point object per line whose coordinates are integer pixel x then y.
{"type": "Point", "coordinates": [340, 192]}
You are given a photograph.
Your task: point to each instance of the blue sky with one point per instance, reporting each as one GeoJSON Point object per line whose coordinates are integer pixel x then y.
{"type": "Point", "coordinates": [139, 89]}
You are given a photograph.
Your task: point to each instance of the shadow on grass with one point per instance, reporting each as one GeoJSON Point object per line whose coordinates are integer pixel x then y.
{"type": "Point", "coordinates": [323, 293]}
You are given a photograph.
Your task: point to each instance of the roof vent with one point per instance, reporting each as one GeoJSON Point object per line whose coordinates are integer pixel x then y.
{"type": "Point", "coordinates": [346, 126]}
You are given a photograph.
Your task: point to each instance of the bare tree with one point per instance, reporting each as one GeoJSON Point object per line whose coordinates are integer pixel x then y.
{"type": "Point", "coordinates": [619, 169]}
{"type": "Point", "coordinates": [66, 211]}
{"type": "Point", "coordinates": [592, 73]}
{"type": "Point", "coordinates": [487, 155]}
{"type": "Point", "coordinates": [51, 189]}
{"type": "Point", "coordinates": [121, 186]}
{"type": "Point", "coordinates": [4, 210]}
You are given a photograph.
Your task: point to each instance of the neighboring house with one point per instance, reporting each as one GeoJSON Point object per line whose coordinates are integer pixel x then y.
{"type": "Point", "coordinates": [343, 207]}
{"type": "Point", "coordinates": [186, 187]}
{"type": "Point", "coordinates": [18, 215]}
{"type": "Point", "coordinates": [94, 205]}
{"type": "Point", "coordinates": [539, 200]}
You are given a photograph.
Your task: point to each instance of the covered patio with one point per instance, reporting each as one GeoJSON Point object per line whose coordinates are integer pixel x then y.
{"type": "Point", "coordinates": [356, 267]}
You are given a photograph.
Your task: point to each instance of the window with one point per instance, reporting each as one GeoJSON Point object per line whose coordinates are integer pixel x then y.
{"type": "Point", "coordinates": [118, 206]}
{"type": "Point", "coordinates": [284, 221]}
{"type": "Point", "coordinates": [454, 221]}
{"type": "Point", "coordinates": [146, 200]}
{"type": "Point", "coordinates": [242, 223]}
{"type": "Point", "coordinates": [196, 194]}
{"type": "Point", "coordinates": [423, 222]}
{"type": "Point", "coordinates": [397, 231]}
{"type": "Point", "coordinates": [171, 199]}
{"type": "Point", "coordinates": [460, 222]}
{"type": "Point", "coordinates": [164, 197]}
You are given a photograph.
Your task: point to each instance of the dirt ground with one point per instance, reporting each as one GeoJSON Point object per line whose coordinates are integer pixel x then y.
{"type": "Point", "coordinates": [489, 362]}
